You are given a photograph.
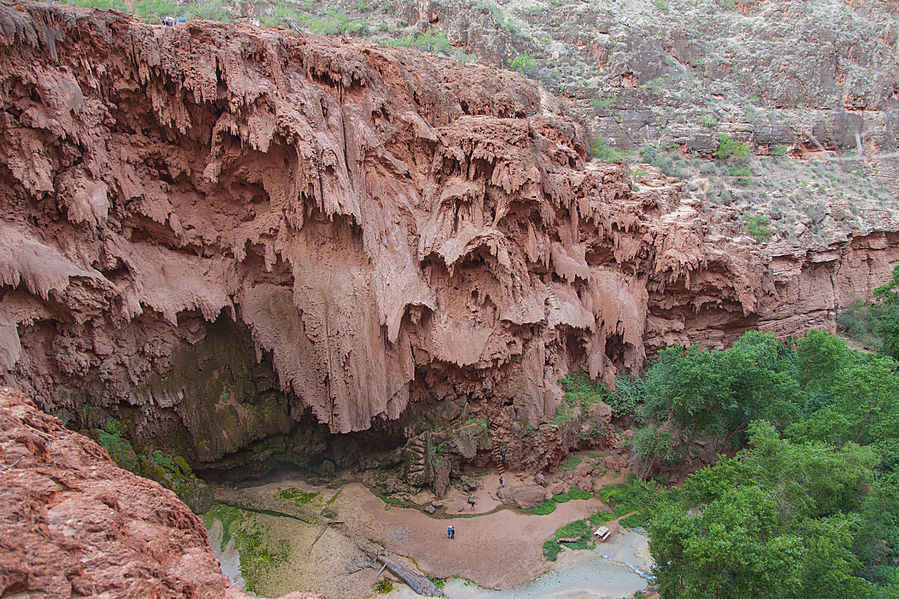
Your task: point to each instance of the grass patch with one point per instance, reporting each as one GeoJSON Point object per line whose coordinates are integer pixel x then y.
{"type": "Point", "coordinates": [573, 462]}
{"type": "Point", "coordinates": [582, 530]}
{"type": "Point", "coordinates": [551, 549]}
{"type": "Point", "coordinates": [297, 496]}
{"type": "Point", "coordinates": [384, 586]}
{"type": "Point", "coordinates": [572, 494]}
{"type": "Point", "coordinates": [334, 496]}
{"type": "Point", "coordinates": [549, 506]}
{"type": "Point", "coordinates": [258, 555]}
{"type": "Point", "coordinates": [543, 508]}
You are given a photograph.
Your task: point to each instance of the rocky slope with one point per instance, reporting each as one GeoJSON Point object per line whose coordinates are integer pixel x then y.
{"type": "Point", "coordinates": [73, 524]}
{"type": "Point", "coordinates": [210, 231]}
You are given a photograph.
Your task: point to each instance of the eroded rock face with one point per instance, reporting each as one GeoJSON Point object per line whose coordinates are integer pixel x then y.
{"type": "Point", "coordinates": [72, 523]}
{"type": "Point", "coordinates": [380, 225]}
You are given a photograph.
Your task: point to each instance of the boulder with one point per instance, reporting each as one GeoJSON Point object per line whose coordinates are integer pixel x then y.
{"type": "Point", "coordinates": [523, 497]}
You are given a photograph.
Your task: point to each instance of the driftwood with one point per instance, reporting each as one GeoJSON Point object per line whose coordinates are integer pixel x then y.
{"type": "Point", "coordinates": [416, 582]}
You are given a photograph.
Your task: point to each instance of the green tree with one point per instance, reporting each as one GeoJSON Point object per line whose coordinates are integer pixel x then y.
{"type": "Point", "coordinates": [888, 321]}
{"type": "Point", "coordinates": [777, 521]}
{"type": "Point", "coordinates": [718, 393]}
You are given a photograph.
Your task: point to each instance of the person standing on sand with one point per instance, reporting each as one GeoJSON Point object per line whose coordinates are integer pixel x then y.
{"type": "Point", "coordinates": [452, 532]}
{"type": "Point", "coordinates": [449, 532]}
{"type": "Point", "coordinates": [500, 481]}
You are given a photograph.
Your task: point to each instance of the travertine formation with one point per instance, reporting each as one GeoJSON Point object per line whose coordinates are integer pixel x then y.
{"type": "Point", "coordinates": [72, 523]}
{"type": "Point", "coordinates": [381, 226]}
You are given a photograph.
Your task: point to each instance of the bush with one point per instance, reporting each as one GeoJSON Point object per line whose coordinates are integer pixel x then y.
{"type": "Point", "coordinates": [100, 4]}
{"type": "Point", "coordinates": [573, 493]}
{"type": "Point", "coordinates": [427, 42]}
{"type": "Point", "coordinates": [859, 321]}
{"type": "Point", "coordinates": [523, 63]}
{"type": "Point", "coordinates": [551, 550]}
{"type": "Point", "coordinates": [602, 151]}
{"type": "Point", "coordinates": [780, 150]}
{"type": "Point", "coordinates": [742, 175]}
{"type": "Point", "coordinates": [154, 10]}
{"type": "Point", "coordinates": [282, 14]}
{"type": "Point", "coordinates": [337, 23]}
{"type": "Point", "coordinates": [653, 155]}
{"type": "Point", "coordinates": [729, 148]}
{"type": "Point", "coordinates": [119, 449]}
{"type": "Point", "coordinates": [757, 227]}
{"type": "Point", "coordinates": [580, 389]}
{"type": "Point", "coordinates": [212, 10]}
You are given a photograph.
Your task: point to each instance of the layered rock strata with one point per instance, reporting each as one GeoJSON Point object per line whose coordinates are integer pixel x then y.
{"type": "Point", "coordinates": [216, 229]}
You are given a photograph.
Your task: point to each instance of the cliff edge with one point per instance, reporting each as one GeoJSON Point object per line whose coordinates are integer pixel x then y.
{"type": "Point", "coordinates": [356, 228]}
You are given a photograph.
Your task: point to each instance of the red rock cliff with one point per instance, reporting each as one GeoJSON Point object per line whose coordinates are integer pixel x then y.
{"type": "Point", "coordinates": [387, 226]}
{"type": "Point", "coordinates": [72, 523]}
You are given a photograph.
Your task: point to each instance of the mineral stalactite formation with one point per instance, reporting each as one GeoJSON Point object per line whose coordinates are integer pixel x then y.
{"type": "Point", "coordinates": [374, 226]}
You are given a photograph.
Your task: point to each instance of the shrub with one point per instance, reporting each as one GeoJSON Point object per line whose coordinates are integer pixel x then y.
{"type": "Point", "coordinates": [120, 450]}
{"type": "Point", "coordinates": [101, 4]}
{"type": "Point", "coordinates": [337, 23]}
{"type": "Point", "coordinates": [654, 155]}
{"type": "Point", "coordinates": [551, 550]}
{"type": "Point", "coordinates": [212, 10]}
{"type": "Point", "coordinates": [742, 175]}
{"type": "Point", "coordinates": [573, 493]}
{"type": "Point", "coordinates": [859, 321]}
{"type": "Point", "coordinates": [757, 227]}
{"type": "Point", "coordinates": [427, 42]}
{"type": "Point", "coordinates": [602, 151]}
{"type": "Point", "coordinates": [731, 148]}
{"type": "Point", "coordinates": [154, 10]}
{"type": "Point", "coordinates": [603, 102]}
{"type": "Point", "coordinates": [523, 63]}
{"type": "Point", "coordinates": [780, 150]}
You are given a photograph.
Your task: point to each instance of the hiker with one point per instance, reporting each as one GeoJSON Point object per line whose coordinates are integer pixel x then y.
{"type": "Point", "coordinates": [449, 532]}
{"type": "Point", "coordinates": [471, 501]}
{"type": "Point", "coordinates": [500, 481]}
{"type": "Point", "coordinates": [501, 459]}
{"type": "Point", "coordinates": [452, 532]}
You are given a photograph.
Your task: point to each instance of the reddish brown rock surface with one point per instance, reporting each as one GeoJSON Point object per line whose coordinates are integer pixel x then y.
{"type": "Point", "coordinates": [73, 524]}
{"type": "Point", "coordinates": [382, 226]}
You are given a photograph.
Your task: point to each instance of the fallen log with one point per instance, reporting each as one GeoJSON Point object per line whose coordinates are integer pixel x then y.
{"type": "Point", "coordinates": [416, 582]}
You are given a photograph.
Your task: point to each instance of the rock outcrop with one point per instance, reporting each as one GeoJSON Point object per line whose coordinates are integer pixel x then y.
{"type": "Point", "coordinates": [73, 524]}
{"type": "Point", "coordinates": [358, 227]}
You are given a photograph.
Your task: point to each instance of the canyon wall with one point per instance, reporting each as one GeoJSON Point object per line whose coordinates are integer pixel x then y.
{"type": "Point", "coordinates": [219, 230]}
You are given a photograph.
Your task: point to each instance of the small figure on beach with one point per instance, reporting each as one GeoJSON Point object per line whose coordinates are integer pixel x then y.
{"type": "Point", "coordinates": [500, 481]}
{"type": "Point", "coordinates": [449, 532]}
{"type": "Point", "coordinates": [452, 532]}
